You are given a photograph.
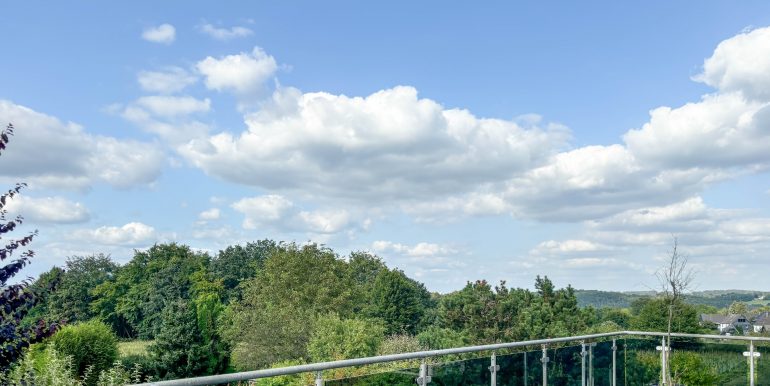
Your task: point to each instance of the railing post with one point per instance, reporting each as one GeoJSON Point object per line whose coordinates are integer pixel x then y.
{"type": "Point", "coordinates": [493, 368]}
{"type": "Point", "coordinates": [319, 379]}
{"type": "Point", "coordinates": [583, 363]}
{"type": "Point", "coordinates": [525, 368]}
{"type": "Point", "coordinates": [751, 362]}
{"type": "Point", "coordinates": [591, 364]}
{"type": "Point", "coordinates": [751, 354]}
{"type": "Point", "coordinates": [614, 356]}
{"type": "Point", "coordinates": [663, 350]}
{"type": "Point", "coordinates": [545, 360]}
{"type": "Point", "coordinates": [424, 377]}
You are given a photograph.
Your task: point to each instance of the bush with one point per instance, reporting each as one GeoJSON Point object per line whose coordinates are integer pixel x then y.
{"type": "Point", "coordinates": [336, 339]}
{"type": "Point", "coordinates": [42, 366]}
{"type": "Point", "coordinates": [90, 344]}
{"type": "Point", "coordinates": [45, 366]}
{"type": "Point", "coordinates": [401, 343]}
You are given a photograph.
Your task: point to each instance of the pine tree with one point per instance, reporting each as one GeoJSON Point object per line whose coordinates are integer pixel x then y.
{"type": "Point", "coordinates": [15, 299]}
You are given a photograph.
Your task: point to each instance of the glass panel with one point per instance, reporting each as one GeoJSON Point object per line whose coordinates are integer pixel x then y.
{"type": "Point", "coordinates": [697, 361]}
{"type": "Point", "coordinates": [389, 374]}
{"type": "Point", "coordinates": [638, 361]}
{"type": "Point", "coordinates": [762, 375]}
{"type": "Point", "coordinates": [469, 372]}
{"type": "Point", "coordinates": [514, 372]}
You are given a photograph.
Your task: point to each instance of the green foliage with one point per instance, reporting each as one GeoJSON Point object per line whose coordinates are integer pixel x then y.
{"type": "Point", "coordinates": [71, 302]}
{"type": "Point", "coordinates": [401, 343]}
{"type": "Point", "coordinates": [133, 302]}
{"type": "Point", "coordinates": [621, 317]}
{"type": "Point", "coordinates": [336, 339]}
{"type": "Point", "coordinates": [739, 308]}
{"type": "Point", "coordinates": [44, 367]}
{"type": "Point", "coordinates": [399, 301]}
{"type": "Point", "coordinates": [273, 322]}
{"type": "Point", "coordinates": [90, 345]}
{"type": "Point", "coordinates": [688, 368]}
{"type": "Point", "coordinates": [119, 375]}
{"type": "Point", "coordinates": [209, 309]}
{"type": "Point", "coordinates": [651, 314]}
{"type": "Point", "coordinates": [179, 350]}
{"type": "Point", "coordinates": [437, 338]}
{"type": "Point", "coordinates": [237, 263]}
{"type": "Point", "coordinates": [503, 314]}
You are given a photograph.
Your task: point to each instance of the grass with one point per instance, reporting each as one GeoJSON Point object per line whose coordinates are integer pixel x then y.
{"type": "Point", "coordinates": [133, 347]}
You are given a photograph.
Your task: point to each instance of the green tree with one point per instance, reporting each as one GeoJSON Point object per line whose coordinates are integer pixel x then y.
{"type": "Point", "coordinates": [273, 321]}
{"type": "Point", "coordinates": [336, 339]}
{"type": "Point", "coordinates": [237, 263]}
{"type": "Point", "coordinates": [399, 301]}
{"type": "Point", "coordinates": [133, 302]}
{"type": "Point", "coordinates": [209, 310]}
{"type": "Point", "coordinates": [739, 308]}
{"type": "Point", "coordinates": [437, 338]}
{"type": "Point", "coordinates": [651, 314]}
{"type": "Point", "coordinates": [179, 350]}
{"type": "Point", "coordinates": [72, 299]}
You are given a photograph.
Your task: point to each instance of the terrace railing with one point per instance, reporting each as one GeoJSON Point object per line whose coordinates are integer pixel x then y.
{"type": "Point", "coordinates": [516, 360]}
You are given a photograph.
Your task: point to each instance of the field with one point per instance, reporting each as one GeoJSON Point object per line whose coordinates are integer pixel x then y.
{"type": "Point", "coordinates": [133, 348]}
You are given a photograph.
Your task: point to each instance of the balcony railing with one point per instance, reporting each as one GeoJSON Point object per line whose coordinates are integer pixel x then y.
{"type": "Point", "coordinates": [516, 363]}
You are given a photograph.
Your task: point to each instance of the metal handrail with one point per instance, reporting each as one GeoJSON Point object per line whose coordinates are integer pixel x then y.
{"type": "Point", "coordinates": [321, 366]}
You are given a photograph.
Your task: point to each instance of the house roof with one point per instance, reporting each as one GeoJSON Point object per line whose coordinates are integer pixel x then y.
{"type": "Point", "coordinates": [721, 319]}
{"type": "Point", "coordinates": [763, 318]}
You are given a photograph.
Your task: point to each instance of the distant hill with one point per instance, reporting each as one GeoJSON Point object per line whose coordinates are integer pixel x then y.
{"type": "Point", "coordinates": [602, 299]}
{"type": "Point", "coordinates": [718, 299]}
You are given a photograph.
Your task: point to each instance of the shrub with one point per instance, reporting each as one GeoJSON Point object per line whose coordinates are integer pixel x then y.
{"type": "Point", "coordinates": [335, 338]}
{"type": "Point", "coordinates": [43, 366]}
{"type": "Point", "coordinates": [401, 343]}
{"type": "Point", "coordinates": [90, 344]}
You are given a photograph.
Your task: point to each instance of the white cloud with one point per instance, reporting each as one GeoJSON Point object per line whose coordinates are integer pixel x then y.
{"type": "Point", "coordinates": [131, 234]}
{"type": "Point", "coordinates": [742, 64]}
{"type": "Point", "coordinates": [225, 33]}
{"type": "Point", "coordinates": [169, 117]}
{"type": "Point", "coordinates": [210, 214]}
{"type": "Point", "coordinates": [552, 247]}
{"type": "Point", "coordinates": [170, 80]}
{"type": "Point", "coordinates": [172, 106]}
{"type": "Point", "coordinates": [388, 146]}
{"type": "Point", "coordinates": [46, 152]}
{"type": "Point", "coordinates": [278, 212]}
{"type": "Point", "coordinates": [720, 131]}
{"type": "Point", "coordinates": [243, 73]}
{"type": "Point", "coordinates": [56, 210]}
{"type": "Point", "coordinates": [164, 34]}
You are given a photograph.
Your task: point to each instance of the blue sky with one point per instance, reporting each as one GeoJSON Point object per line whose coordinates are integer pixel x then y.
{"type": "Point", "coordinates": [458, 142]}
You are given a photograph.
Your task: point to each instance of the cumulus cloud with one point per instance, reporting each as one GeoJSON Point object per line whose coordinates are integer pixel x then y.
{"type": "Point", "coordinates": [244, 73]}
{"type": "Point", "coordinates": [210, 214]}
{"type": "Point", "coordinates": [551, 247]}
{"type": "Point", "coordinates": [390, 145]}
{"type": "Point", "coordinates": [167, 81]}
{"type": "Point", "coordinates": [172, 106]}
{"type": "Point", "coordinates": [741, 64]}
{"type": "Point", "coordinates": [225, 33]}
{"type": "Point", "coordinates": [48, 210]}
{"type": "Point", "coordinates": [278, 212]}
{"type": "Point", "coordinates": [133, 234]}
{"type": "Point", "coordinates": [164, 34]}
{"type": "Point", "coordinates": [172, 118]}
{"type": "Point", "coordinates": [46, 152]}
